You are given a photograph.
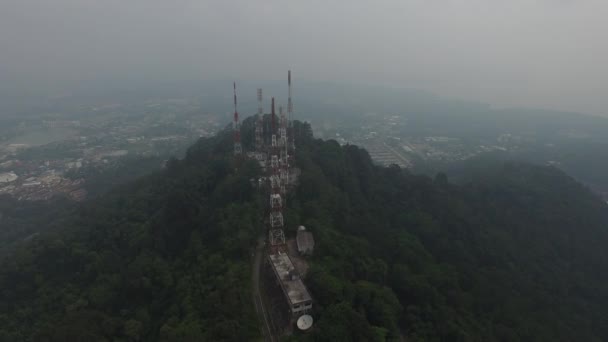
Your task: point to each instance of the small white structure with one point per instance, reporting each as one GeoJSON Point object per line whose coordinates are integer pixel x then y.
{"type": "Point", "coordinates": [8, 177]}
{"type": "Point", "coordinates": [305, 241]}
{"type": "Point", "coordinates": [304, 322]}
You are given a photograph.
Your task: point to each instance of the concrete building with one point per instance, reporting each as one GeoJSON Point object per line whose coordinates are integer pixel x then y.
{"type": "Point", "coordinates": [293, 288]}
{"type": "Point", "coordinates": [8, 177]}
{"type": "Point", "coordinates": [305, 241]}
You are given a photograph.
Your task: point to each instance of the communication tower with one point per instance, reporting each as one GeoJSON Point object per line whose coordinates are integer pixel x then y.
{"type": "Point", "coordinates": [283, 143]}
{"type": "Point", "coordinates": [276, 234]}
{"type": "Point", "coordinates": [238, 148]}
{"type": "Point", "coordinates": [274, 143]}
{"type": "Point", "coordinates": [292, 143]}
{"type": "Point", "coordinates": [259, 125]}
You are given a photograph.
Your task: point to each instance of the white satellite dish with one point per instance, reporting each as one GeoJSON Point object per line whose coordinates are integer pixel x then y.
{"type": "Point", "coordinates": [304, 322]}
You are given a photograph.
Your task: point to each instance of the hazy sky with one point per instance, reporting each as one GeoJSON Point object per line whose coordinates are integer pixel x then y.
{"type": "Point", "coordinates": [541, 53]}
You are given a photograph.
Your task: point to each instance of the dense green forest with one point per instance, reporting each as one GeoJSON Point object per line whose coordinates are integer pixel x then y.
{"type": "Point", "coordinates": [517, 253]}
{"type": "Point", "coordinates": [22, 220]}
{"type": "Point", "coordinates": [157, 259]}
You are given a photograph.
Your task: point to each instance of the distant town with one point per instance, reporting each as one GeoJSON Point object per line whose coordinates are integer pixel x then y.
{"type": "Point", "coordinates": [387, 144]}
{"type": "Point", "coordinates": [55, 150]}
{"type": "Point", "coordinates": [52, 154]}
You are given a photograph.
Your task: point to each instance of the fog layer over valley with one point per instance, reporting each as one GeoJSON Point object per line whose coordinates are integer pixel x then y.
{"type": "Point", "coordinates": [520, 53]}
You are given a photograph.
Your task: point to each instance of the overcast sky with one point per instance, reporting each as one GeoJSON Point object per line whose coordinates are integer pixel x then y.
{"type": "Point", "coordinates": [533, 53]}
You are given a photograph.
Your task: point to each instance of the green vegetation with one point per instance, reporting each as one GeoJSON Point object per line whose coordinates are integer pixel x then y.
{"type": "Point", "coordinates": [22, 220]}
{"type": "Point", "coordinates": [100, 179]}
{"type": "Point", "coordinates": [159, 259]}
{"type": "Point", "coordinates": [518, 253]}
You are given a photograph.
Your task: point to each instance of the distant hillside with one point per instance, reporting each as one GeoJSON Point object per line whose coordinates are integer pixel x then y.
{"type": "Point", "coordinates": [586, 162]}
{"type": "Point", "coordinates": [517, 253]}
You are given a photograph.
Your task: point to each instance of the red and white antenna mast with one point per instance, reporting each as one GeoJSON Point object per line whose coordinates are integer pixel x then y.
{"type": "Point", "coordinates": [283, 153]}
{"type": "Point", "coordinates": [292, 143]}
{"type": "Point", "coordinates": [289, 103]}
{"type": "Point", "coordinates": [238, 148]}
{"type": "Point", "coordinates": [259, 123]}
{"type": "Point", "coordinates": [273, 125]}
{"type": "Point", "coordinates": [283, 143]}
{"type": "Point", "coordinates": [290, 130]}
{"type": "Point", "coordinates": [282, 127]}
{"type": "Point", "coordinates": [272, 117]}
{"type": "Point", "coordinates": [276, 234]}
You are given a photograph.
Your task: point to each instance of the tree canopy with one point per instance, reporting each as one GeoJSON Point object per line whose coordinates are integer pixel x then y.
{"type": "Point", "coordinates": [515, 254]}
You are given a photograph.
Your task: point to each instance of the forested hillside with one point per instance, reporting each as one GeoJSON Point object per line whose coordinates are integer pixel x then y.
{"type": "Point", "coordinates": [159, 259]}
{"type": "Point", "coordinates": [516, 254]}
{"type": "Point", "coordinates": [22, 220]}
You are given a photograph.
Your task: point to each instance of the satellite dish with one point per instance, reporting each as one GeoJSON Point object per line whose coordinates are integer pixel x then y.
{"type": "Point", "coordinates": [304, 322]}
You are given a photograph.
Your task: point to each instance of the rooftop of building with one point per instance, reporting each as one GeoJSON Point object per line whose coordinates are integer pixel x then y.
{"type": "Point", "coordinates": [293, 287]}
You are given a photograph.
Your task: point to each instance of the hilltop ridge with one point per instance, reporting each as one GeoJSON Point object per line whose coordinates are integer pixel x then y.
{"type": "Point", "coordinates": [516, 253]}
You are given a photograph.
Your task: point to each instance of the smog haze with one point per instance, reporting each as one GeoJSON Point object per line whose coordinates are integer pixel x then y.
{"type": "Point", "coordinates": [519, 53]}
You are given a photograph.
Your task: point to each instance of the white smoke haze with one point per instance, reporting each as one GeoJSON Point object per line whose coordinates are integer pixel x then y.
{"type": "Point", "coordinates": [531, 53]}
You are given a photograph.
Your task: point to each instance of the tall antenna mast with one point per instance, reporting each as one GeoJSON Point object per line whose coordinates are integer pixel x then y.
{"type": "Point", "coordinates": [273, 117]}
{"type": "Point", "coordinates": [238, 148]}
{"type": "Point", "coordinates": [290, 112]}
{"type": "Point", "coordinates": [276, 234]}
{"type": "Point", "coordinates": [259, 122]}
{"type": "Point", "coordinates": [283, 143]}
{"type": "Point", "coordinates": [260, 105]}
{"type": "Point", "coordinates": [289, 103]}
{"type": "Point", "coordinates": [283, 150]}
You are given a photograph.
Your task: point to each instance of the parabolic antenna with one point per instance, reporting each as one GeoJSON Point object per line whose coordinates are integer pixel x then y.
{"type": "Point", "coordinates": [304, 322]}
